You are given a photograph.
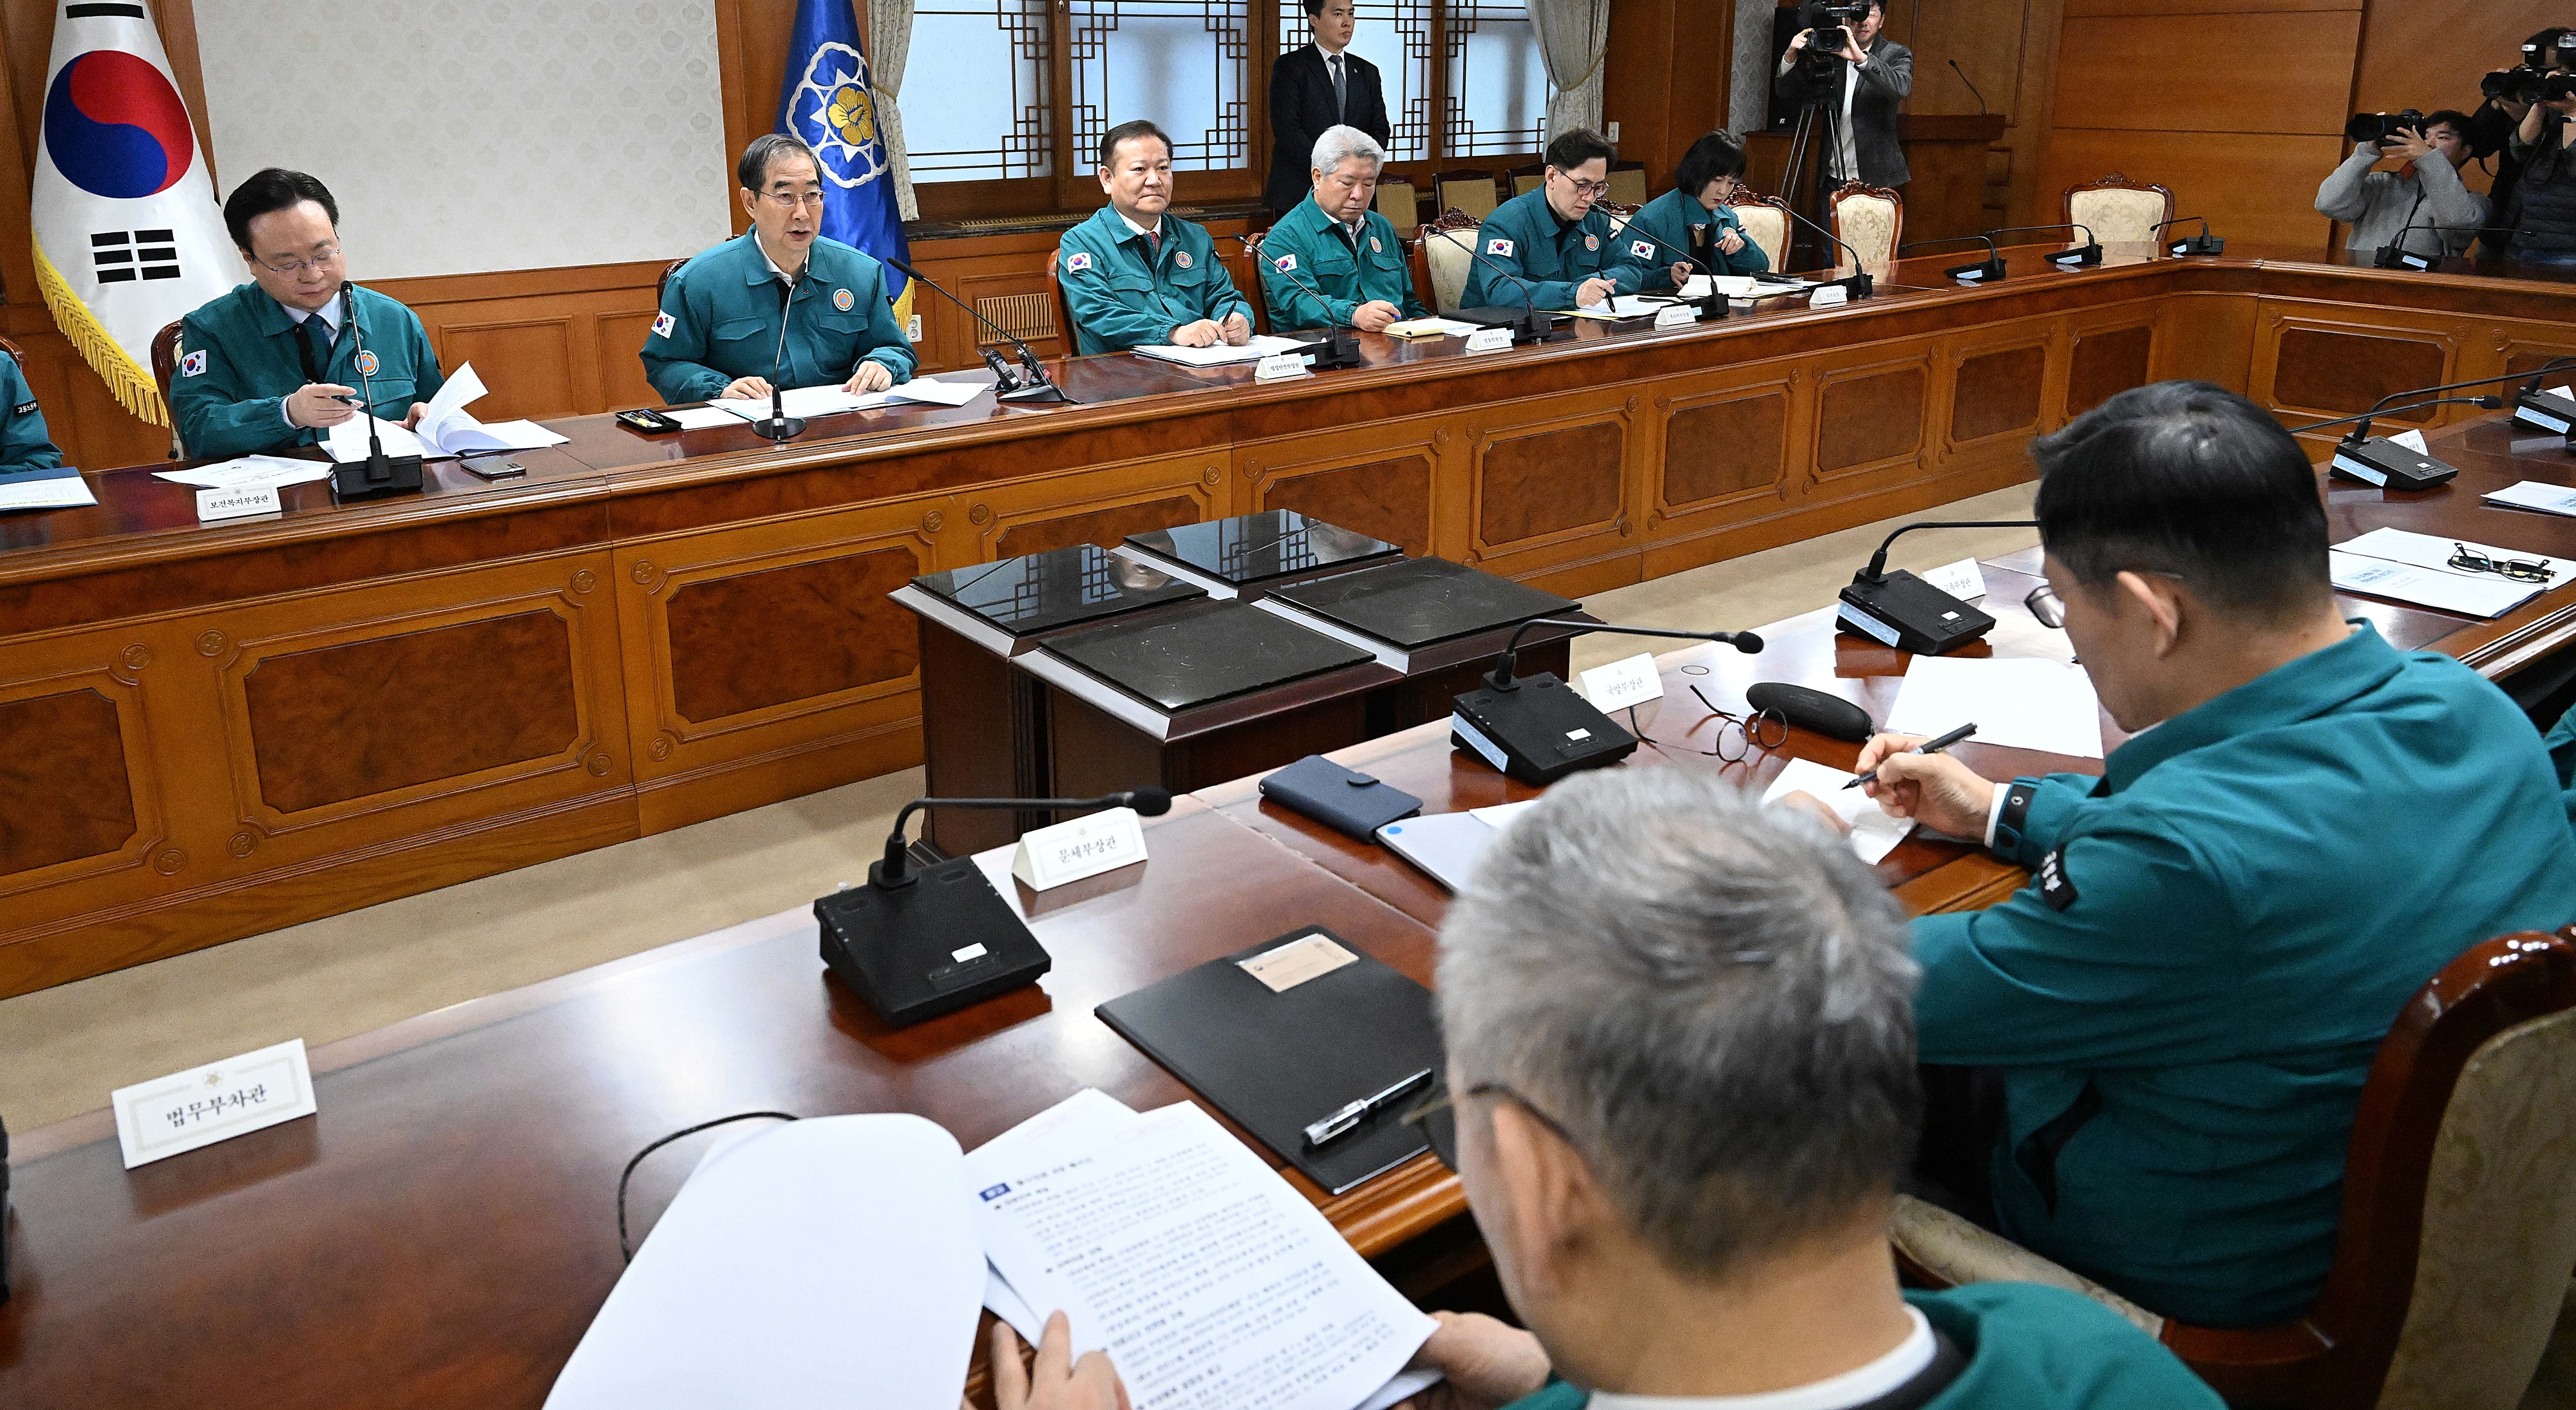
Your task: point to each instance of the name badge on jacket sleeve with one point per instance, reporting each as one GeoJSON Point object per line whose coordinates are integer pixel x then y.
{"type": "Point", "coordinates": [2054, 888]}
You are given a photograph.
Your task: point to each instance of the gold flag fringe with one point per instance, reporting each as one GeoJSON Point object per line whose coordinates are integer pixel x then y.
{"type": "Point", "coordinates": [133, 386]}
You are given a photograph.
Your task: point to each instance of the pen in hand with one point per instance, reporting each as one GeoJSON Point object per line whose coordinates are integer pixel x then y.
{"type": "Point", "coordinates": [1929, 746]}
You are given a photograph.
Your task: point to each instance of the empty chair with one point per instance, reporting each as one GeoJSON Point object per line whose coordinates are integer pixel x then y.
{"type": "Point", "coordinates": [2118, 210]}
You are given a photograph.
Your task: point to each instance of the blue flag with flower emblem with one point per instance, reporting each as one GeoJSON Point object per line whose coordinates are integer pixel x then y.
{"type": "Point", "coordinates": [830, 102]}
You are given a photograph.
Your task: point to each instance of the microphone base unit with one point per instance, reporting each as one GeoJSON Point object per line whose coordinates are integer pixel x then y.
{"type": "Point", "coordinates": [779, 428]}
{"type": "Point", "coordinates": [932, 943]}
{"type": "Point", "coordinates": [2388, 465]}
{"type": "Point", "coordinates": [2080, 255]}
{"type": "Point", "coordinates": [376, 477]}
{"type": "Point", "coordinates": [1536, 326]}
{"type": "Point", "coordinates": [1035, 393]}
{"type": "Point", "coordinates": [2398, 257]}
{"type": "Point", "coordinates": [2546, 411]}
{"type": "Point", "coordinates": [2200, 245]}
{"type": "Point", "coordinates": [1903, 611]}
{"type": "Point", "coordinates": [1537, 729]}
{"type": "Point", "coordinates": [1986, 271]}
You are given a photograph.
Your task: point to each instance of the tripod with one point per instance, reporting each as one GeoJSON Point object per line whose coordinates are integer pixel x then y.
{"type": "Point", "coordinates": [1812, 142]}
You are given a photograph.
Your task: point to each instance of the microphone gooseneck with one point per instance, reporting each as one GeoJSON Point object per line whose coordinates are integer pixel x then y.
{"type": "Point", "coordinates": [1858, 283]}
{"type": "Point", "coordinates": [1972, 88]}
{"type": "Point", "coordinates": [893, 869]}
{"type": "Point", "coordinates": [1877, 568]}
{"type": "Point", "coordinates": [1500, 678]}
{"type": "Point", "coordinates": [778, 427]}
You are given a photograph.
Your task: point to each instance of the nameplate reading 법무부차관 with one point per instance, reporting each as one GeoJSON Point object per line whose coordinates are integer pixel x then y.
{"type": "Point", "coordinates": [221, 1100]}
{"type": "Point", "coordinates": [1087, 846]}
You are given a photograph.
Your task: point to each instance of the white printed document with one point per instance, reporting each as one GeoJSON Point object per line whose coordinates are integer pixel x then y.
{"type": "Point", "coordinates": [1210, 1282]}
{"type": "Point", "coordinates": [806, 403]}
{"type": "Point", "coordinates": [250, 472]}
{"type": "Point", "coordinates": [700, 418]}
{"type": "Point", "coordinates": [2534, 494]}
{"type": "Point", "coordinates": [1221, 355]}
{"type": "Point", "coordinates": [59, 488]}
{"type": "Point", "coordinates": [1431, 328]}
{"type": "Point", "coordinates": [1740, 286]}
{"type": "Point", "coordinates": [446, 428]}
{"type": "Point", "coordinates": [1873, 833]}
{"type": "Point", "coordinates": [2430, 551]}
{"type": "Point", "coordinates": [2015, 702]}
{"type": "Point", "coordinates": [2437, 588]}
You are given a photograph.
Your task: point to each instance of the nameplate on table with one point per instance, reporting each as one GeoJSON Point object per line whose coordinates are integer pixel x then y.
{"type": "Point", "coordinates": [237, 502]}
{"type": "Point", "coordinates": [1489, 340]}
{"type": "Point", "coordinates": [1830, 296]}
{"type": "Point", "coordinates": [1086, 846]}
{"type": "Point", "coordinates": [1676, 316]}
{"type": "Point", "coordinates": [1279, 366]}
{"type": "Point", "coordinates": [1961, 580]}
{"type": "Point", "coordinates": [1621, 684]}
{"type": "Point", "coordinates": [216, 1102]}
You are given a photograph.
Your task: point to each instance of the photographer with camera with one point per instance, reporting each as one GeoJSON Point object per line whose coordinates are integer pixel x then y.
{"type": "Point", "coordinates": [2544, 215]}
{"type": "Point", "coordinates": [2508, 94]}
{"type": "Point", "coordinates": [2421, 206]}
{"type": "Point", "coordinates": [1841, 63]}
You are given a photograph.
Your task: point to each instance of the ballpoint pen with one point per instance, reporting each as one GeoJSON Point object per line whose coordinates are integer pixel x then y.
{"type": "Point", "coordinates": [1345, 1120]}
{"type": "Point", "coordinates": [1929, 746]}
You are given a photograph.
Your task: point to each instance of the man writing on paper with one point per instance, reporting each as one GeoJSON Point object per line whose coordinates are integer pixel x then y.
{"type": "Point", "coordinates": [2187, 997]}
{"type": "Point", "coordinates": [1134, 274]}
{"type": "Point", "coordinates": [1682, 1076]}
{"type": "Point", "coordinates": [268, 367]}
{"type": "Point", "coordinates": [1553, 238]}
{"type": "Point", "coordinates": [1691, 229]}
{"type": "Point", "coordinates": [718, 333]}
{"type": "Point", "coordinates": [1337, 244]}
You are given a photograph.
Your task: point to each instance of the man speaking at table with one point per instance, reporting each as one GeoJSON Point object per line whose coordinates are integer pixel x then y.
{"type": "Point", "coordinates": [1135, 275]}
{"type": "Point", "coordinates": [718, 332]}
{"type": "Point", "coordinates": [1550, 248]}
{"type": "Point", "coordinates": [1335, 245]}
{"type": "Point", "coordinates": [2187, 997]}
{"type": "Point", "coordinates": [268, 366]}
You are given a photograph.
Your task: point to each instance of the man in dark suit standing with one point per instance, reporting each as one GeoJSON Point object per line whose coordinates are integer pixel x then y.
{"type": "Point", "coordinates": [1860, 96]}
{"type": "Point", "coordinates": [1317, 86]}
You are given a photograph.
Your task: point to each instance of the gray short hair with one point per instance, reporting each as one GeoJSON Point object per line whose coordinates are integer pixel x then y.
{"type": "Point", "coordinates": [1340, 144]}
{"type": "Point", "coordinates": [1715, 999]}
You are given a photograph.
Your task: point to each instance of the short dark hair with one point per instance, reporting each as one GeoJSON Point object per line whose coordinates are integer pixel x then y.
{"type": "Point", "coordinates": [1315, 7]}
{"type": "Point", "coordinates": [1718, 154]}
{"type": "Point", "coordinates": [2193, 480]}
{"type": "Point", "coordinates": [2451, 118]}
{"type": "Point", "coordinates": [1577, 145]}
{"type": "Point", "coordinates": [275, 189]}
{"type": "Point", "coordinates": [753, 170]}
{"type": "Point", "coordinates": [1129, 132]}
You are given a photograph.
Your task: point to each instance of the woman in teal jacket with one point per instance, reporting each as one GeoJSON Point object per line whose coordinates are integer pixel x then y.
{"type": "Point", "coordinates": [1692, 223]}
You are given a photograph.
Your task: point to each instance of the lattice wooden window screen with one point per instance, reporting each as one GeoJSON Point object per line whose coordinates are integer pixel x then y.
{"type": "Point", "coordinates": [976, 105]}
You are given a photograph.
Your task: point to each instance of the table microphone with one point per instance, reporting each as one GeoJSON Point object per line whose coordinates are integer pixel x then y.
{"type": "Point", "coordinates": [1857, 284]}
{"type": "Point", "coordinates": [1534, 324]}
{"type": "Point", "coordinates": [2395, 255]}
{"type": "Point", "coordinates": [1990, 271]}
{"type": "Point", "coordinates": [1341, 345]}
{"type": "Point", "coordinates": [1713, 307]}
{"type": "Point", "coordinates": [2090, 252]}
{"type": "Point", "coordinates": [778, 425]}
{"type": "Point", "coordinates": [378, 474]}
{"type": "Point", "coordinates": [915, 943]}
{"type": "Point", "coordinates": [1032, 387]}
{"type": "Point", "coordinates": [1536, 728]}
{"type": "Point", "coordinates": [1901, 610]}
{"type": "Point", "coordinates": [2547, 411]}
{"type": "Point", "coordinates": [2376, 460]}
{"type": "Point", "coordinates": [2203, 243]}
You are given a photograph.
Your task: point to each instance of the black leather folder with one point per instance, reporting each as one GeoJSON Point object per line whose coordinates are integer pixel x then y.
{"type": "Point", "coordinates": [1195, 653]}
{"type": "Point", "coordinates": [1061, 588]}
{"type": "Point", "coordinates": [1422, 600]}
{"type": "Point", "coordinates": [1274, 1062]}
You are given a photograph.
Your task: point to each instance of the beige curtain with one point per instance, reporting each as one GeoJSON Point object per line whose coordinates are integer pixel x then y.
{"type": "Point", "coordinates": [889, 43]}
{"type": "Point", "coordinates": [1572, 37]}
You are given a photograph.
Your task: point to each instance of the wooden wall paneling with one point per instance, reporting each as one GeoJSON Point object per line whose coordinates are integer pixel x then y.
{"type": "Point", "coordinates": [619, 337]}
{"type": "Point", "coordinates": [2208, 73]}
{"type": "Point", "coordinates": [1870, 421]}
{"type": "Point", "coordinates": [1551, 481]}
{"type": "Point", "coordinates": [2107, 356]}
{"type": "Point", "coordinates": [1666, 84]}
{"type": "Point", "coordinates": [1379, 481]}
{"type": "Point", "coordinates": [2314, 361]}
{"type": "Point", "coordinates": [1726, 448]}
{"type": "Point", "coordinates": [2079, 9]}
{"type": "Point", "coordinates": [2252, 188]}
{"type": "Point", "coordinates": [763, 660]}
{"type": "Point", "coordinates": [2206, 337]}
{"type": "Point", "coordinates": [1102, 505]}
{"type": "Point", "coordinates": [538, 367]}
{"type": "Point", "coordinates": [2027, 137]}
{"type": "Point", "coordinates": [81, 792]}
{"type": "Point", "coordinates": [1994, 387]}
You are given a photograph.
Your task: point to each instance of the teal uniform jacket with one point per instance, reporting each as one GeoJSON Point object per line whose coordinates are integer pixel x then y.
{"type": "Point", "coordinates": [1307, 244]}
{"type": "Point", "coordinates": [238, 362]}
{"type": "Point", "coordinates": [1122, 298]}
{"type": "Point", "coordinates": [2027, 1348]}
{"type": "Point", "coordinates": [2562, 755]}
{"type": "Point", "coordinates": [1524, 236]}
{"type": "Point", "coordinates": [1668, 219]}
{"type": "Point", "coordinates": [719, 322]}
{"type": "Point", "coordinates": [2222, 929]}
{"type": "Point", "coordinates": [24, 442]}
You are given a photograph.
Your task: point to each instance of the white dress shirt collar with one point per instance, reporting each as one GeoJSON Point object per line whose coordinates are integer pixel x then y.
{"type": "Point", "coordinates": [1139, 229]}
{"type": "Point", "coordinates": [1858, 1386]}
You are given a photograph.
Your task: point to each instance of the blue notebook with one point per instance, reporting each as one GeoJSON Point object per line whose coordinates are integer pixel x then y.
{"type": "Point", "coordinates": [58, 488]}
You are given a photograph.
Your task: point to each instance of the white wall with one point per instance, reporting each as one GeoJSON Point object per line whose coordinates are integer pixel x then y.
{"type": "Point", "coordinates": [461, 136]}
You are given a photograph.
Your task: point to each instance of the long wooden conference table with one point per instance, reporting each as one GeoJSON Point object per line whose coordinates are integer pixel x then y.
{"type": "Point", "coordinates": [445, 1229]}
{"type": "Point", "coordinates": [215, 730]}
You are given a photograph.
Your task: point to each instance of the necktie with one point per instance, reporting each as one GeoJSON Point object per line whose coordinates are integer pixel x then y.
{"type": "Point", "coordinates": [317, 343]}
{"type": "Point", "coordinates": [1154, 247]}
{"type": "Point", "coordinates": [1341, 91]}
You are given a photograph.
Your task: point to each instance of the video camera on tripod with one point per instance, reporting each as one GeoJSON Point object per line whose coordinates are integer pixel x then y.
{"type": "Point", "coordinates": [1832, 33]}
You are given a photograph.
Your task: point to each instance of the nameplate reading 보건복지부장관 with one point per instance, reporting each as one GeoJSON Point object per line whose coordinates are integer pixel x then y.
{"type": "Point", "coordinates": [203, 1105]}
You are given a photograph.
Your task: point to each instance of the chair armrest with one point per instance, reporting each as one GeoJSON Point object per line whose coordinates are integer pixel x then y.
{"type": "Point", "coordinates": [1955, 1251]}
